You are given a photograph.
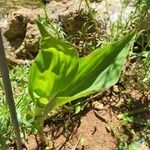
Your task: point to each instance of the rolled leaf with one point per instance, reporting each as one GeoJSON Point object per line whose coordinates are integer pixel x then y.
{"type": "Point", "coordinates": [54, 68]}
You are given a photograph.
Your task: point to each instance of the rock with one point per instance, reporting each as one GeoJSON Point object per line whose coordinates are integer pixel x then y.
{"type": "Point", "coordinates": [3, 22]}
{"type": "Point", "coordinates": [120, 102]}
{"type": "Point", "coordinates": [144, 146]}
{"type": "Point", "coordinates": [32, 142]}
{"type": "Point", "coordinates": [115, 88]}
{"type": "Point", "coordinates": [56, 8]}
{"type": "Point", "coordinates": [17, 23]}
{"type": "Point", "coordinates": [21, 35]}
{"type": "Point", "coordinates": [31, 41]}
{"type": "Point", "coordinates": [97, 105]}
{"type": "Point", "coordinates": [32, 38]}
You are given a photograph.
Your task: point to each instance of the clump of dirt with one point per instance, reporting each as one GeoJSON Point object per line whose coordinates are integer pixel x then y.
{"type": "Point", "coordinates": [21, 36]}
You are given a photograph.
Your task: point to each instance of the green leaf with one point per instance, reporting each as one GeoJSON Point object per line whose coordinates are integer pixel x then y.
{"type": "Point", "coordinates": [98, 71]}
{"type": "Point", "coordinates": [42, 28]}
{"type": "Point", "coordinates": [54, 68]}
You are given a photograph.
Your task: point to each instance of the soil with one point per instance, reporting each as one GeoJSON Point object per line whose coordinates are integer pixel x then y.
{"type": "Point", "coordinates": [92, 134]}
{"type": "Point", "coordinates": [97, 126]}
{"type": "Point", "coordinates": [90, 130]}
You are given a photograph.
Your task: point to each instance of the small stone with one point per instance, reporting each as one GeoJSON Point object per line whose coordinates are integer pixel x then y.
{"type": "Point", "coordinates": [115, 88]}
{"type": "Point", "coordinates": [32, 142]}
{"type": "Point", "coordinates": [120, 102]}
{"type": "Point", "coordinates": [97, 105]}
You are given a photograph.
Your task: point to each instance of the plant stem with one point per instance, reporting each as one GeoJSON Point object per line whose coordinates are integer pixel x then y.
{"type": "Point", "coordinates": [9, 94]}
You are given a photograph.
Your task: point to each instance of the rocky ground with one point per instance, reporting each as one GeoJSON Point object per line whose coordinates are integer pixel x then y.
{"type": "Point", "coordinates": [21, 33]}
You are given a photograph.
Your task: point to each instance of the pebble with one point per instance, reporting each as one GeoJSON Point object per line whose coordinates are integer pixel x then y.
{"type": "Point", "coordinates": [97, 105]}
{"type": "Point", "coordinates": [115, 88]}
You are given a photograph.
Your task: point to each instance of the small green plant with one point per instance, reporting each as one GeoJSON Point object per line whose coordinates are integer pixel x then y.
{"type": "Point", "coordinates": [135, 145]}
{"type": "Point", "coordinates": [19, 81]}
{"type": "Point", "coordinates": [59, 76]}
{"type": "Point", "coordinates": [129, 118]}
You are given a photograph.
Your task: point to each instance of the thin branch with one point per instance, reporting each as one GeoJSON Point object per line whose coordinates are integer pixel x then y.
{"type": "Point", "coordinates": [9, 94]}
